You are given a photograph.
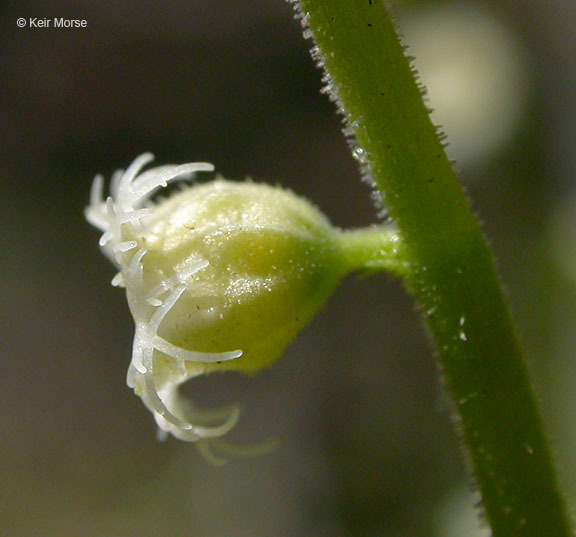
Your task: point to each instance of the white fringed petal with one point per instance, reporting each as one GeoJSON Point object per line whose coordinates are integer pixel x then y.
{"type": "Point", "coordinates": [121, 218]}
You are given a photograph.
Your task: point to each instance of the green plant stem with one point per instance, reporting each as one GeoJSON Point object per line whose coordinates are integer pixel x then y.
{"type": "Point", "coordinates": [374, 249]}
{"type": "Point", "coordinates": [452, 272]}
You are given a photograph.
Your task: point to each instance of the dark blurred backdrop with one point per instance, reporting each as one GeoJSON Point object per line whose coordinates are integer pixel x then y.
{"type": "Point", "coordinates": [368, 444]}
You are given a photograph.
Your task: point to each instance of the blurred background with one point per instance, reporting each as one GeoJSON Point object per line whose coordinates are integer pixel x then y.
{"type": "Point", "coordinates": [368, 444]}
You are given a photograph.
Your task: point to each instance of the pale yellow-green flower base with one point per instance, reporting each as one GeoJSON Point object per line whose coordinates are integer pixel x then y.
{"type": "Point", "coordinates": [273, 258]}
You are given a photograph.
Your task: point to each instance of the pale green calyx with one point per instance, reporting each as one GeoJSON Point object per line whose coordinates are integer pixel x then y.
{"type": "Point", "coordinates": [218, 276]}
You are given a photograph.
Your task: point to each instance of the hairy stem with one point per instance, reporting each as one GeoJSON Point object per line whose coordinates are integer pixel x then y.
{"type": "Point", "coordinates": [451, 270]}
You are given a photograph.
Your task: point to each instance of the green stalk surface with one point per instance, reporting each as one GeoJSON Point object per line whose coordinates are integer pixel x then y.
{"type": "Point", "coordinates": [451, 271]}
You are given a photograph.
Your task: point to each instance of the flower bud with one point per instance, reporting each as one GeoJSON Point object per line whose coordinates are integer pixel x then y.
{"type": "Point", "coordinates": [218, 276]}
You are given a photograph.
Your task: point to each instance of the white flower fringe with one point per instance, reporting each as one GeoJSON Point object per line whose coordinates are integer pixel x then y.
{"type": "Point", "coordinates": [120, 216]}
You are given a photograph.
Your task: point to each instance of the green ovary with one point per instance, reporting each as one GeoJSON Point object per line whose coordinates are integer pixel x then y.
{"type": "Point", "coordinates": [273, 260]}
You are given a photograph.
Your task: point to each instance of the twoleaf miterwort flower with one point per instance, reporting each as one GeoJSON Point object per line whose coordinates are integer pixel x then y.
{"type": "Point", "coordinates": [218, 276]}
